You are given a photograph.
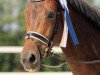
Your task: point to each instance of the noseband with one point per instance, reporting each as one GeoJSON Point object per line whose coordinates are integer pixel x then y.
{"type": "Point", "coordinates": [43, 39]}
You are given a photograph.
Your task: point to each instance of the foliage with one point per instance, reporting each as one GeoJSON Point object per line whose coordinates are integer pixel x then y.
{"type": "Point", "coordinates": [8, 62]}
{"type": "Point", "coordinates": [94, 4]}
{"type": "Point", "coordinates": [11, 38]}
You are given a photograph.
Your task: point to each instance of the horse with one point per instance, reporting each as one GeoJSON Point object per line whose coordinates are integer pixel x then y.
{"type": "Point", "coordinates": [44, 27]}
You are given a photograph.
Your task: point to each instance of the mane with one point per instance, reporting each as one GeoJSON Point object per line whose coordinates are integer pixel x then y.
{"type": "Point", "coordinates": [88, 12]}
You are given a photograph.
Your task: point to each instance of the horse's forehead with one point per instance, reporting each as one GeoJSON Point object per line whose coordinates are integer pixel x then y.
{"type": "Point", "coordinates": [49, 4]}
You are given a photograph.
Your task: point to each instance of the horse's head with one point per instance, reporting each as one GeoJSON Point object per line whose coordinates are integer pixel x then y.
{"type": "Point", "coordinates": [40, 19]}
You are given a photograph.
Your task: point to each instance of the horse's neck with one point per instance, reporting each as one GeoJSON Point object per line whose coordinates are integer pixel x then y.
{"type": "Point", "coordinates": [87, 50]}
{"type": "Point", "coordinates": [58, 36]}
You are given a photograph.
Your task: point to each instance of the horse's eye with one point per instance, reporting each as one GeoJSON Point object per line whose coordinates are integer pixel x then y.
{"type": "Point", "coordinates": [51, 15]}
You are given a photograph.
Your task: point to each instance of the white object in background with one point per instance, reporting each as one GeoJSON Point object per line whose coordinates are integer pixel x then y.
{"type": "Point", "coordinates": [37, 73]}
{"type": "Point", "coordinates": [18, 49]}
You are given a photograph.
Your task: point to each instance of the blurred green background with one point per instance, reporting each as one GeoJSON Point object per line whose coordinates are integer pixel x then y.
{"type": "Point", "coordinates": [12, 30]}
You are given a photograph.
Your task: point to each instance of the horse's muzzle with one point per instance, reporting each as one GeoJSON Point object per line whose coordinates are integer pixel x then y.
{"type": "Point", "coordinates": [30, 61]}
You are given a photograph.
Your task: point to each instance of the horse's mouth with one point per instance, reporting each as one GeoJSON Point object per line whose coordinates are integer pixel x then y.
{"type": "Point", "coordinates": [32, 67]}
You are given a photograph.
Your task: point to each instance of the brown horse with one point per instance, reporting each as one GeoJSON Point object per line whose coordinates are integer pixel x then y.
{"type": "Point", "coordinates": [41, 16]}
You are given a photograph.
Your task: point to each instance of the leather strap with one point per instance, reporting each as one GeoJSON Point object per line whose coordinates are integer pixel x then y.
{"type": "Point", "coordinates": [34, 35]}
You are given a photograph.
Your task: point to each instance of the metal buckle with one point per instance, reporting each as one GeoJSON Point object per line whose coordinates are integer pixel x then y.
{"type": "Point", "coordinates": [48, 51]}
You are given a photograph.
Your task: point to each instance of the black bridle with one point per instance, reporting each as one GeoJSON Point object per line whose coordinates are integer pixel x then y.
{"type": "Point", "coordinates": [41, 38]}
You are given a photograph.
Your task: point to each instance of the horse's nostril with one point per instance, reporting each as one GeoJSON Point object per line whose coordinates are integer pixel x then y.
{"type": "Point", "coordinates": [32, 58]}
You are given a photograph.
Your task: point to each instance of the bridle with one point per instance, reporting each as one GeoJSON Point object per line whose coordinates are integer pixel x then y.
{"type": "Point", "coordinates": [43, 39]}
